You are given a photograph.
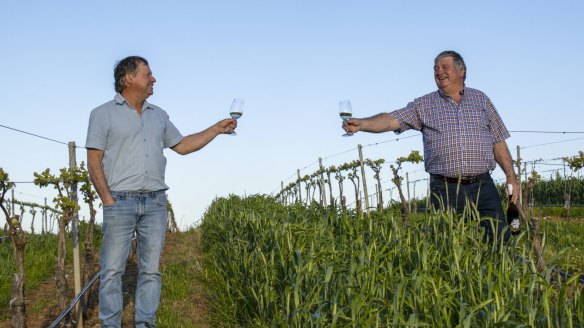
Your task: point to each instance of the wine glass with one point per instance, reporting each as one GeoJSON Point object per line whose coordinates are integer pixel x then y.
{"type": "Point", "coordinates": [235, 111]}
{"type": "Point", "coordinates": [345, 112]}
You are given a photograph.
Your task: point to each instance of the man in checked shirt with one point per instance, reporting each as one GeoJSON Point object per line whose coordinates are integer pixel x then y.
{"type": "Point", "coordinates": [464, 138]}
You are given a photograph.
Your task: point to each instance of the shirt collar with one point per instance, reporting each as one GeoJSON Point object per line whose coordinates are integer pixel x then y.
{"type": "Point", "coordinates": [120, 100]}
{"type": "Point", "coordinates": [445, 96]}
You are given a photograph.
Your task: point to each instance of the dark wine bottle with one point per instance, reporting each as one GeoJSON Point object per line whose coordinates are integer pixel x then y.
{"type": "Point", "coordinates": [512, 213]}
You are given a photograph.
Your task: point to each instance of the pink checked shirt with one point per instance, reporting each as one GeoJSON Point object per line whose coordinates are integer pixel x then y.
{"type": "Point", "coordinates": [458, 138]}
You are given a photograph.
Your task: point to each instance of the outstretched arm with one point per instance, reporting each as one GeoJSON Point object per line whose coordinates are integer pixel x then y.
{"type": "Point", "coordinates": [382, 122]}
{"type": "Point", "coordinates": [503, 158]}
{"type": "Point", "coordinates": [194, 142]}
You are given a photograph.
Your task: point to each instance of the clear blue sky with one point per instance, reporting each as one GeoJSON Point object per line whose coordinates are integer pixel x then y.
{"type": "Point", "coordinates": [291, 61]}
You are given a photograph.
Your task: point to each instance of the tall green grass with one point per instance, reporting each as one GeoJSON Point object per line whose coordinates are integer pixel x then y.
{"type": "Point", "coordinates": [271, 265]}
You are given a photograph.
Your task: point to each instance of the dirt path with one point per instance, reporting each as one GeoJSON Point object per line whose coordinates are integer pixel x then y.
{"type": "Point", "coordinates": [180, 249]}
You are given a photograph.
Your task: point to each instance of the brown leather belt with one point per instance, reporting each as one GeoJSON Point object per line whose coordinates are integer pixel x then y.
{"type": "Point", "coordinates": [462, 180]}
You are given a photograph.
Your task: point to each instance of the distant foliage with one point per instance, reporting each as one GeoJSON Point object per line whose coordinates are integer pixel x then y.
{"type": "Point", "coordinates": [549, 191]}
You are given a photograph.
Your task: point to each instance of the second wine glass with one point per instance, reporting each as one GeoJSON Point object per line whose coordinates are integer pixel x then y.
{"type": "Point", "coordinates": [346, 112]}
{"type": "Point", "coordinates": [236, 110]}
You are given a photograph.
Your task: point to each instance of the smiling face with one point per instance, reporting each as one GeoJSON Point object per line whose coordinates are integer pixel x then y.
{"type": "Point", "coordinates": [142, 82]}
{"type": "Point", "coordinates": [449, 78]}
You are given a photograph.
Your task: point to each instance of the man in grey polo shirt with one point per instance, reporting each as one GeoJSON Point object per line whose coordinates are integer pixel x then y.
{"type": "Point", "coordinates": [125, 142]}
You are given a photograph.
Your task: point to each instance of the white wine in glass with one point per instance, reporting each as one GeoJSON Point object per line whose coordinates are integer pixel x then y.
{"type": "Point", "coordinates": [346, 113]}
{"type": "Point", "coordinates": [236, 110]}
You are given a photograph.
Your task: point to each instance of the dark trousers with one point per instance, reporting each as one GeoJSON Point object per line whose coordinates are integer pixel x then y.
{"type": "Point", "coordinates": [483, 194]}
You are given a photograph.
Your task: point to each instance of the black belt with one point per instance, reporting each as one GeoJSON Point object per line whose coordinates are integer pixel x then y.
{"type": "Point", "coordinates": [462, 179]}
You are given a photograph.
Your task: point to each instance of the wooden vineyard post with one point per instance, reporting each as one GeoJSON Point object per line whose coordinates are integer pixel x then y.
{"type": "Point", "coordinates": [13, 201]}
{"type": "Point", "coordinates": [75, 237]}
{"type": "Point", "coordinates": [526, 196]}
{"type": "Point", "coordinates": [282, 192]}
{"type": "Point", "coordinates": [299, 186]}
{"type": "Point", "coordinates": [363, 178]}
{"type": "Point", "coordinates": [428, 195]}
{"type": "Point", "coordinates": [45, 216]}
{"type": "Point", "coordinates": [408, 191]}
{"type": "Point", "coordinates": [322, 189]}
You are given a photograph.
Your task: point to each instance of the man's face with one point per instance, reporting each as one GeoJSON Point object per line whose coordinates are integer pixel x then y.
{"type": "Point", "coordinates": [142, 81]}
{"type": "Point", "coordinates": [447, 76]}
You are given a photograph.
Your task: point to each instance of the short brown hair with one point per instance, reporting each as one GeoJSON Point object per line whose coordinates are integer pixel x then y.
{"type": "Point", "coordinates": [125, 66]}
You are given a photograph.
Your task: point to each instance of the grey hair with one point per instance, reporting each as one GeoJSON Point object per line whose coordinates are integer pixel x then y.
{"type": "Point", "coordinates": [128, 65]}
{"type": "Point", "coordinates": [458, 61]}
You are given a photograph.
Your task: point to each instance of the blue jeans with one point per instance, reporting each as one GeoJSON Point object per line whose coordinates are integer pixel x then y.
{"type": "Point", "coordinates": [483, 194]}
{"type": "Point", "coordinates": [142, 213]}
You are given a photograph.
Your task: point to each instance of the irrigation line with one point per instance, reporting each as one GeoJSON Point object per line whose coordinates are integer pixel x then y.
{"type": "Point", "coordinates": [75, 300]}
{"type": "Point", "coordinates": [562, 273]}
{"type": "Point", "coordinates": [78, 297]}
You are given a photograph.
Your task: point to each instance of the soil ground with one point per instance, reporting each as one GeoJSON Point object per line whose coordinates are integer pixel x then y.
{"type": "Point", "coordinates": [41, 303]}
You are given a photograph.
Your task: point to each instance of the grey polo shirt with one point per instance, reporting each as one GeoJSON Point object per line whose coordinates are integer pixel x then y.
{"type": "Point", "coordinates": [133, 145]}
